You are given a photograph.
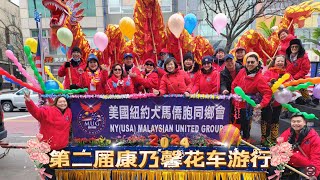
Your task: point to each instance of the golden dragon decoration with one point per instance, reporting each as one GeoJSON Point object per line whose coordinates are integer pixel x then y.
{"type": "Point", "coordinates": [252, 40]}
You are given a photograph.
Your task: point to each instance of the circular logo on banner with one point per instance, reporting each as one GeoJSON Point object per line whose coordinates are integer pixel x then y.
{"type": "Point", "coordinates": [310, 170]}
{"type": "Point", "coordinates": [91, 123]}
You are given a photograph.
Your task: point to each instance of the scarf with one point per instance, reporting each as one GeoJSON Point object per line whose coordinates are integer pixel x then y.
{"type": "Point", "coordinates": [94, 77]}
{"type": "Point", "coordinates": [206, 71]}
{"type": "Point", "coordinates": [253, 71]}
{"type": "Point", "coordinates": [303, 133]}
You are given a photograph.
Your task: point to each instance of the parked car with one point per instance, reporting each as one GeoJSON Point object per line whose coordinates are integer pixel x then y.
{"type": "Point", "coordinates": [16, 100]}
{"type": "Point", "coordinates": [3, 132]}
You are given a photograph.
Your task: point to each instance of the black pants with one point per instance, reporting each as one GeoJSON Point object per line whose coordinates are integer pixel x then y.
{"type": "Point", "coordinates": [244, 121]}
{"type": "Point", "coordinates": [271, 114]}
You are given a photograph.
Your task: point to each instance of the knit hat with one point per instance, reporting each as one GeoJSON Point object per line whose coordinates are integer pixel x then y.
{"type": "Point", "coordinates": [188, 55]}
{"type": "Point", "coordinates": [207, 59]}
{"type": "Point", "coordinates": [76, 49]}
{"type": "Point", "coordinates": [93, 57]}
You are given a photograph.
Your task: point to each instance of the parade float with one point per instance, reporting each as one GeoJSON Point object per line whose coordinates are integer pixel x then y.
{"type": "Point", "coordinates": [140, 136]}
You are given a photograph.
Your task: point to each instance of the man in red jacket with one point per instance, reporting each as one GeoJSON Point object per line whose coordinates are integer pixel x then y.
{"type": "Point", "coordinates": [129, 67]}
{"type": "Point", "coordinates": [306, 146]}
{"type": "Point", "coordinates": [76, 65]}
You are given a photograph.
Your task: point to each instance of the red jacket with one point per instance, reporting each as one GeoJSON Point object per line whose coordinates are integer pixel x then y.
{"type": "Point", "coordinates": [284, 44]}
{"type": "Point", "coordinates": [217, 67]}
{"type": "Point", "coordinates": [136, 85]}
{"type": "Point", "coordinates": [194, 77]}
{"type": "Point", "coordinates": [300, 68]}
{"type": "Point", "coordinates": [54, 126]}
{"type": "Point", "coordinates": [273, 74]}
{"type": "Point", "coordinates": [176, 83]}
{"type": "Point", "coordinates": [252, 85]}
{"type": "Point", "coordinates": [310, 146]}
{"type": "Point", "coordinates": [125, 87]}
{"type": "Point", "coordinates": [86, 82]}
{"type": "Point", "coordinates": [149, 82]}
{"type": "Point", "coordinates": [207, 83]}
{"type": "Point", "coordinates": [75, 75]}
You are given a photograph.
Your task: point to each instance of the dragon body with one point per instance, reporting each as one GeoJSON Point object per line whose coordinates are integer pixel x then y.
{"type": "Point", "coordinates": [252, 40]}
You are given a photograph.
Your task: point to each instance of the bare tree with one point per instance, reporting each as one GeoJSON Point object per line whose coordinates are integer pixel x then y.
{"type": "Point", "coordinates": [241, 13]}
{"type": "Point", "coordinates": [12, 37]}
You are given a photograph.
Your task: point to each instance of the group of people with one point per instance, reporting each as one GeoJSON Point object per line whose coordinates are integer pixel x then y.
{"type": "Point", "coordinates": [218, 74]}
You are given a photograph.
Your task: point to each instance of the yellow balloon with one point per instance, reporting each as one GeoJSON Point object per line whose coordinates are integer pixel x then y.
{"type": "Point", "coordinates": [32, 43]}
{"type": "Point", "coordinates": [127, 27]}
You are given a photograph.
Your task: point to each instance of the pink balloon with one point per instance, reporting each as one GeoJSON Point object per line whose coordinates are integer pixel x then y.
{"type": "Point", "coordinates": [176, 24]}
{"type": "Point", "coordinates": [9, 54]}
{"type": "Point", "coordinates": [13, 58]}
{"type": "Point", "coordinates": [220, 22]}
{"type": "Point", "coordinates": [100, 39]}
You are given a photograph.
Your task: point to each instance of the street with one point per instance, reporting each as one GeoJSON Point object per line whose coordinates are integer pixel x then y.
{"type": "Point", "coordinates": [21, 127]}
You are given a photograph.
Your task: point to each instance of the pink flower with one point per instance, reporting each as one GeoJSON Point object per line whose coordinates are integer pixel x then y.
{"type": "Point", "coordinates": [44, 147]}
{"type": "Point", "coordinates": [280, 140]}
{"type": "Point", "coordinates": [284, 159]}
{"type": "Point", "coordinates": [275, 150]}
{"type": "Point", "coordinates": [275, 161]}
{"type": "Point", "coordinates": [39, 136]}
{"type": "Point", "coordinates": [43, 158]}
{"type": "Point", "coordinates": [34, 156]}
{"type": "Point", "coordinates": [32, 143]}
{"type": "Point", "coordinates": [286, 147]}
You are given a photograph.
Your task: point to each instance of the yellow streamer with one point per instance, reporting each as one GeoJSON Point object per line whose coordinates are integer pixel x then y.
{"type": "Point", "coordinates": [52, 77]}
{"type": "Point", "coordinates": [280, 81]}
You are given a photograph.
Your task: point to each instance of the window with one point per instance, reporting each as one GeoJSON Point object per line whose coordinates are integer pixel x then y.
{"type": "Point", "coordinates": [89, 7]}
{"type": "Point", "coordinates": [89, 36]}
{"type": "Point", "coordinates": [48, 49]}
{"type": "Point", "coordinates": [127, 6]}
{"type": "Point", "coordinates": [40, 8]}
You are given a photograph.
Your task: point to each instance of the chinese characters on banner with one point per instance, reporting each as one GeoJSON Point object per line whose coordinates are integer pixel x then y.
{"type": "Point", "coordinates": [118, 117]}
{"type": "Point", "coordinates": [206, 158]}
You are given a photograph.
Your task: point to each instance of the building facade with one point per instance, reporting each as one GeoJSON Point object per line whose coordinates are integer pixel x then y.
{"type": "Point", "coordinates": [10, 38]}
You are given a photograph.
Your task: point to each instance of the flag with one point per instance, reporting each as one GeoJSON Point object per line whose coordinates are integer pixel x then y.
{"type": "Point", "coordinates": [38, 57]}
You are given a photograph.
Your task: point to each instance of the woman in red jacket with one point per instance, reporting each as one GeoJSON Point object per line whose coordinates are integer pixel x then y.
{"type": "Point", "coordinates": [252, 82]}
{"type": "Point", "coordinates": [306, 145]}
{"type": "Point", "coordinates": [150, 79]}
{"type": "Point", "coordinates": [209, 78]}
{"type": "Point", "coordinates": [55, 122]}
{"type": "Point", "coordinates": [175, 81]}
{"type": "Point", "coordinates": [270, 114]}
{"type": "Point", "coordinates": [191, 67]}
{"type": "Point", "coordinates": [285, 39]}
{"type": "Point", "coordinates": [94, 76]}
{"type": "Point", "coordinates": [118, 83]}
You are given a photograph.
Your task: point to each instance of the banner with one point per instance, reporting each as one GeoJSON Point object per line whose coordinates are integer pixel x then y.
{"type": "Point", "coordinates": [115, 118]}
{"type": "Point", "coordinates": [243, 158]}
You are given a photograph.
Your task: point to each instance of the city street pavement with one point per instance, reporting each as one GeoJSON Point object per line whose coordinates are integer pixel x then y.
{"type": "Point", "coordinates": [21, 127]}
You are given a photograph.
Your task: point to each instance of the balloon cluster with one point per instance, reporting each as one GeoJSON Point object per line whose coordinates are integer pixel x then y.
{"type": "Point", "coordinates": [243, 95]}
{"type": "Point", "coordinates": [295, 110]}
{"type": "Point", "coordinates": [27, 52]}
{"type": "Point", "coordinates": [280, 81]}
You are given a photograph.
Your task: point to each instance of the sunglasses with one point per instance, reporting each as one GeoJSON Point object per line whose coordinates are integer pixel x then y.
{"type": "Point", "coordinates": [250, 62]}
{"type": "Point", "coordinates": [149, 64]}
{"type": "Point", "coordinates": [162, 54]}
{"type": "Point", "coordinates": [117, 69]}
{"type": "Point", "coordinates": [292, 47]}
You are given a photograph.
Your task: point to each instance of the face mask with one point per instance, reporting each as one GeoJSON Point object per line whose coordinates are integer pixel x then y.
{"type": "Point", "coordinates": [77, 60]}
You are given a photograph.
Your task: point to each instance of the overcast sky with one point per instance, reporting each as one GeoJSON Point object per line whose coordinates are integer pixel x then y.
{"type": "Point", "coordinates": [16, 2]}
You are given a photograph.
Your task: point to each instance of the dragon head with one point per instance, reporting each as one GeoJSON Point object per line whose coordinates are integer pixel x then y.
{"type": "Point", "coordinates": [59, 12]}
{"type": "Point", "coordinates": [63, 12]}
